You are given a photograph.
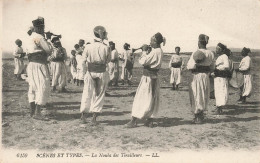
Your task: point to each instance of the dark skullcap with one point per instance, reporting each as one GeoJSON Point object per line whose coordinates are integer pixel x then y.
{"type": "Point", "coordinates": [177, 47]}
{"type": "Point", "coordinates": [100, 32]}
{"type": "Point", "coordinates": [81, 41]}
{"type": "Point", "coordinates": [159, 38]}
{"type": "Point", "coordinates": [245, 51]}
{"type": "Point", "coordinates": [55, 39]}
{"type": "Point", "coordinates": [203, 38]}
{"type": "Point", "coordinates": [144, 47]}
{"type": "Point", "coordinates": [76, 46]}
{"type": "Point", "coordinates": [73, 51]}
{"type": "Point", "coordinates": [126, 46]}
{"type": "Point", "coordinates": [18, 41]}
{"type": "Point", "coordinates": [222, 46]}
{"type": "Point", "coordinates": [111, 43]}
{"type": "Point", "coordinates": [199, 56]}
{"type": "Point", "coordinates": [38, 22]}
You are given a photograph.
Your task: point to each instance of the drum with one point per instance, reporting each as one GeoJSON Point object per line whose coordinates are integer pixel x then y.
{"type": "Point", "coordinates": [237, 79]}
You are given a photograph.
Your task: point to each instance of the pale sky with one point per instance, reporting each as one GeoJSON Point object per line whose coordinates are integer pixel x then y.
{"type": "Point", "coordinates": [235, 23]}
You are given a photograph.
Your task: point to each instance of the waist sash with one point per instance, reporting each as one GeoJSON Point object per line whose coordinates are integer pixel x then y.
{"type": "Point", "coordinates": [223, 73]}
{"type": "Point", "coordinates": [245, 72]}
{"type": "Point", "coordinates": [176, 65]}
{"type": "Point", "coordinates": [147, 71]}
{"type": "Point", "coordinates": [201, 69]}
{"type": "Point", "coordinates": [99, 68]}
{"type": "Point", "coordinates": [38, 57]}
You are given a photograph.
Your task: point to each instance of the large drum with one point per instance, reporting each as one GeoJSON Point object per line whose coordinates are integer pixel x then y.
{"type": "Point", "coordinates": [237, 79]}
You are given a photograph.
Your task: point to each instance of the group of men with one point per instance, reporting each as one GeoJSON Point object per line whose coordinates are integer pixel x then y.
{"type": "Point", "coordinates": [97, 66]}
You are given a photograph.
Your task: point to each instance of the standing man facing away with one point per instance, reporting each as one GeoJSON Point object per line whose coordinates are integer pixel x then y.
{"type": "Point", "coordinates": [96, 79]}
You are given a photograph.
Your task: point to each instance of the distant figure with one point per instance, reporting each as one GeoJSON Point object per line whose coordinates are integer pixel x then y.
{"type": "Point", "coordinates": [147, 98]}
{"type": "Point", "coordinates": [113, 65]}
{"type": "Point", "coordinates": [80, 66]}
{"type": "Point", "coordinates": [245, 68]}
{"type": "Point", "coordinates": [176, 66]}
{"type": "Point", "coordinates": [58, 67]}
{"type": "Point", "coordinates": [37, 70]}
{"type": "Point", "coordinates": [18, 59]}
{"type": "Point", "coordinates": [201, 64]}
{"type": "Point", "coordinates": [97, 55]}
{"type": "Point", "coordinates": [128, 64]}
{"type": "Point", "coordinates": [73, 66]}
{"type": "Point", "coordinates": [221, 76]}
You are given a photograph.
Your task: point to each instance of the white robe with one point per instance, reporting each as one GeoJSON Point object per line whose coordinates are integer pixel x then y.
{"type": "Point", "coordinates": [200, 85]}
{"type": "Point", "coordinates": [220, 83]}
{"type": "Point", "coordinates": [94, 92]}
{"type": "Point", "coordinates": [147, 98]}
{"type": "Point", "coordinates": [18, 62]}
{"type": "Point", "coordinates": [38, 73]}
{"type": "Point", "coordinates": [175, 77]}
{"type": "Point", "coordinates": [80, 67]}
{"type": "Point", "coordinates": [73, 71]}
{"type": "Point", "coordinates": [113, 67]}
{"type": "Point", "coordinates": [127, 55]}
{"type": "Point", "coordinates": [246, 64]}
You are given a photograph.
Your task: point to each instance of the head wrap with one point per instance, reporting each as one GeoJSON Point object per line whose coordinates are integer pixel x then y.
{"type": "Point", "coordinates": [199, 56]}
{"type": "Point", "coordinates": [126, 46]}
{"type": "Point", "coordinates": [18, 41]}
{"type": "Point", "coordinates": [203, 38]}
{"type": "Point", "coordinates": [245, 51]}
{"type": "Point", "coordinates": [100, 32]}
{"type": "Point", "coordinates": [38, 22]}
{"type": "Point", "coordinates": [222, 46]}
{"type": "Point", "coordinates": [159, 38]}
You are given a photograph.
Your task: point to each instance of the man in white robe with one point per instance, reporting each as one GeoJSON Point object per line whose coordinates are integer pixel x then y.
{"type": "Point", "coordinates": [97, 55]}
{"type": "Point", "coordinates": [201, 64]}
{"type": "Point", "coordinates": [18, 59]}
{"type": "Point", "coordinates": [245, 68]}
{"type": "Point", "coordinates": [113, 65]}
{"type": "Point", "coordinates": [176, 66]}
{"type": "Point", "coordinates": [146, 101]}
{"type": "Point", "coordinates": [221, 74]}
{"type": "Point", "coordinates": [38, 73]}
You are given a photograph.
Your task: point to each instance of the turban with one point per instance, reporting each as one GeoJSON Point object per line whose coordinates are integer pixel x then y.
{"type": "Point", "coordinates": [100, 32]}
{"type": "Point", "coordinates": [159, 38]}
{"type": "Point", "coordinates": [38, 22]}
{"type": "Point", "coordinates": [18, 41]}
{"type": "Point", "coordinates": [203, 38]}
{"type": "Point", "coordinates": [222, 46]}
{"type": "Point", "coordinates": [245, 51]}
{"type": "Point", "coordinates": [199, 56]}
{"type": "Point", "coordinates": [145, 47]}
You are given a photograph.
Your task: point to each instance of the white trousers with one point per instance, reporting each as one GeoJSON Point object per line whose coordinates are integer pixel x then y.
{"type": "Point", "coordinates": [199, 92]}
{"type": "Point", "coordinates": [59, 73]}
{"type": "Point", "coordinates": [18, 66]}
{"type": "Point", "coordinates": [39, 83]}
{"type": "Point", "coordinates": [221, 91]}
{"type": "Point", "coordinates": [246, 89]}
{"type": "Point", "coordinates": [95, 85]}
{"type": "Point", "coordinates": [146, 101]}
{"type": "Point", "coordinates": [175, 76]}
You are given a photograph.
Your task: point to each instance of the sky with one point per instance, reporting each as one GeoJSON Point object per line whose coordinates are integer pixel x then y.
{"type": "Point", "coordinates": [231, 22]}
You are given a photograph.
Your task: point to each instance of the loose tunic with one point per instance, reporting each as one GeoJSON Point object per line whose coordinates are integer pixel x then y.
{"type": "Point", "coordinates": [245, 67]}
{"type": "Point", "coordinates": [18, 61]}
{"type": "Point", "coordinates": [221, 83]}
{"type": "Point", "coordinates": [96, 79]}
{"type": "Point", "coordinates": [38, 73]}
{"type": "Point", "coordinates": [176, 70]}
{"type": "Point", "coordinates": [113, 66]}
{"type": "Point", "coordinates": [200, 85]}
{"type": "Point", "coordinates": [146, 101]}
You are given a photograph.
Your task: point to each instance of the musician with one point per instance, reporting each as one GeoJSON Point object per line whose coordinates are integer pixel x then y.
{"type": "Point", "coordinates": [128, 63]}
{"type": "Point", "coordinates": [221, 74]}
{"type": "Point", "coordinates": [113, 65]}
{"type": "Point", "coordinates": [97, 56]}
{"type": "Point", "coordinates": [245, 68]}
{"type": "Point", "coordinates": [146, 101]}
{"type": "Point", "coordinates": [58, 67]}
{"type": "Point", "coordinates": [38, 74]}
{"type": "Point", "coordinates": [176, 65]}
{"type": "Point", "coordinates": [201, 64]}
{"type": "Point", "coordinates": [19, 55]}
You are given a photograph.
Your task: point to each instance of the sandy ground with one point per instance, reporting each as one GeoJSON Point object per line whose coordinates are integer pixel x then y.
{"type": "Point", "coordinates": [237, 129]}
